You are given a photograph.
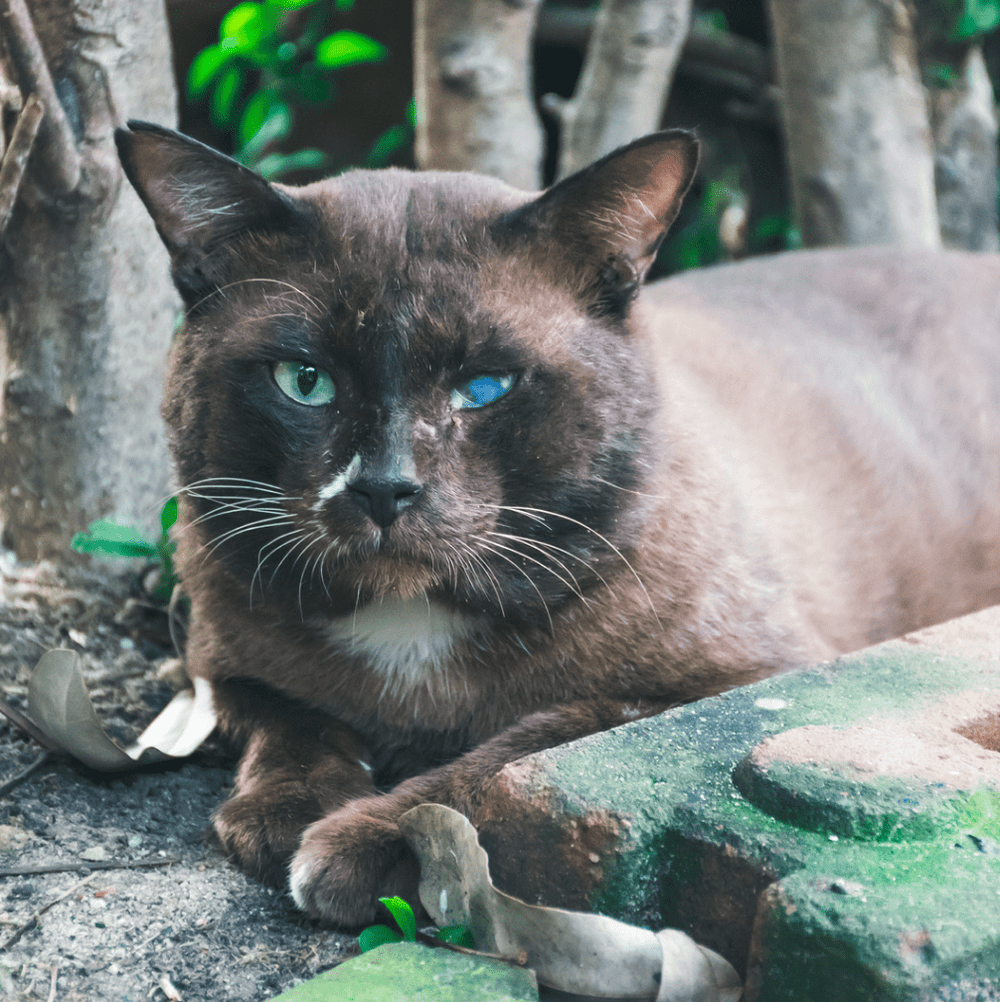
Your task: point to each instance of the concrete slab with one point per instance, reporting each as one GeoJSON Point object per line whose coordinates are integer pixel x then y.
{"type": "Point", "coordinates": [834, 832]}
{"type": "Point", "coordinates": [411, 972]}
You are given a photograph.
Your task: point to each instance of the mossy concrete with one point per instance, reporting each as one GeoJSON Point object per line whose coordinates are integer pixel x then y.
{"type": "Point", "coordinates": [836, 878]}
{"type": "Point", "coordinates": [411, 972]}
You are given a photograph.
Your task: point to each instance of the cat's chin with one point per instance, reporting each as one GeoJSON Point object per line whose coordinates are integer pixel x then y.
{"type": "Point", "coordinates": [394, 579]}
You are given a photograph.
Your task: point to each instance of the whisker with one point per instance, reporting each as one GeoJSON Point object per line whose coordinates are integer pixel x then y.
{"type": "Point", "coordinates": [628, 490]}
{"type": "Point", "coordinates": [261, 523]}
{"type": "Point", "coordinates": [231, 482]}
{"type": "Point", "coordinates": [574, 587]}
{"type": "Point", "coordinates": [583, 525]}
{"type": "Point", "coordinates": [490, 546]}
{"type": "Point", "coordinates": [547, 550]}
{"type": "Point", "coordinates": [477, 559]}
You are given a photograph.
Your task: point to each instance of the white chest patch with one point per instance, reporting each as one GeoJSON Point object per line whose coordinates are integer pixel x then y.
{"type": "Point", "coordinates": [408, 642]}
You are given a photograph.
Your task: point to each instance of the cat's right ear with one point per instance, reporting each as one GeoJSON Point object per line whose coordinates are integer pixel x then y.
{"type": "Point", "coordinates": [605, 223]}
{"type": "Point", "coordinates": [199, 200]}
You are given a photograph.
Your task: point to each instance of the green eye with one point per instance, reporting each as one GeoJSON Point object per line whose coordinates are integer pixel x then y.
{"type": "Point", "coordinates": [305, 384]}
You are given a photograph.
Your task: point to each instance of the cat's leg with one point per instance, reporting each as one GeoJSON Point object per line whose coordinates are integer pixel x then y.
{"type": "Point", "coordinates": [355, 855]}
{"type": "Point", "coordinates": [297, 766]}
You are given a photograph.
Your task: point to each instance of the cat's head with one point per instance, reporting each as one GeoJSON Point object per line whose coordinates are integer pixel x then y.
{"type": "Point", "coordinates": [392, 383]}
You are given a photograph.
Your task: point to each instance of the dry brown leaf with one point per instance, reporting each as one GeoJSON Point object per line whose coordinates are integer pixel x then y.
{"type": "Point", "coordinates": [589, 955]}
{"type": "Point", "coordinates": [59, 705]}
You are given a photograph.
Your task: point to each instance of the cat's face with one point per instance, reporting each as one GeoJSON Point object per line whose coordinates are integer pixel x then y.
{"type": "Point", "coordinates": [397, 385]}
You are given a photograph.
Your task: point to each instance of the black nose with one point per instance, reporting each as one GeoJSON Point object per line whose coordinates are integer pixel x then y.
{"type": "Point", "coordinates": [381, 500]}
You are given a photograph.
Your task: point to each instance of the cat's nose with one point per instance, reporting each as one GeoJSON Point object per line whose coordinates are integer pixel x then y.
{"type": "Point", "coordinates": [382, 500]}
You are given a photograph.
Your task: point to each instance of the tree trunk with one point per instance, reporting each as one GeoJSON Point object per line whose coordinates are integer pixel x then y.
{"type": "Point", "coordinates": [625, 81]}
{"type": "Point", "coordinates": [472, 69]}
{"type": "Point", "coordinates": [965, 140]}
{"type": "Point", "coordinates": [86, 308]}
{"type": "Point", "coordinates": [859, 141]}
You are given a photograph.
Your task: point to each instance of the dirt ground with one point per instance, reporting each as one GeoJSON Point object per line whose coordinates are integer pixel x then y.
{"type": "Point", "coordinates": [146, 907]}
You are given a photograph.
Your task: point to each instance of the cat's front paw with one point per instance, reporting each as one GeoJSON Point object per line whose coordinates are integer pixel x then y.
{"type": "Point", "coordinates": [347, 861]}
{"type": "Point", "coordinates": [261, 830]}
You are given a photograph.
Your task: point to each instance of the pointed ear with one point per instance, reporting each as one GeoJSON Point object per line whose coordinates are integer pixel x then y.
{"type": "Point", "coordinates": [199, 200]}
{"type": "Point", "coordinates": [611, 217]}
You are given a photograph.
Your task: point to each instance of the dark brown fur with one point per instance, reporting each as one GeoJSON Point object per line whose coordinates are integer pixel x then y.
{"type": "Point", "coordinates": [747, 469]}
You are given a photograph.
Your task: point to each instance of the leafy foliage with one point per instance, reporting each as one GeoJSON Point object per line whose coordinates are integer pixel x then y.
{"type": "Point", "coordinates": [273, 57]}
{"type": "Point", "coordinates": [109, 540]}
{"type": "Point", "coordinates": [698, 244]}
{"type": "Point", "coordinates": [974, 18]}
{"type": "Point", "coordinates": [402, 913]}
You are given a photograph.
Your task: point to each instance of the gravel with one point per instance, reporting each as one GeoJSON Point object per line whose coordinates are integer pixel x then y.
{"type": "Point", "coordinates": [192, 928]}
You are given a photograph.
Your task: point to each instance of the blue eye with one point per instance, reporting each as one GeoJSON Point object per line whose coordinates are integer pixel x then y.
{"type": "Point", "coordinates": [481, 391]}
{"type": "Point", "coordinates": [305, 384]}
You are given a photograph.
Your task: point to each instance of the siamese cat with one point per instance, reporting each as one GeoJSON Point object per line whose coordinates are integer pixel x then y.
{"type": "Point", "coordinates": [456, 489]}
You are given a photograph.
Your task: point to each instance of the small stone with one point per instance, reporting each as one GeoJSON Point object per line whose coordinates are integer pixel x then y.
{"type": "Point", "coordinates": [134, 840]}
{"type": "Point", "coordinates": [95, 854]}
{"type": "Point", "coordinates": [12, 838]}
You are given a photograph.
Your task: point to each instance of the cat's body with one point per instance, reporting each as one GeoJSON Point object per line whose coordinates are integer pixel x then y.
{"type": "Point", "coordinates": [451, 497]}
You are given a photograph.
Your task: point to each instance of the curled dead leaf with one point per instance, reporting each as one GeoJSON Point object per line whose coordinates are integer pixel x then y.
{"type": "Point", "coordinates": [59, 705]}
{"type": "Point", "coordinates": [587, 955]}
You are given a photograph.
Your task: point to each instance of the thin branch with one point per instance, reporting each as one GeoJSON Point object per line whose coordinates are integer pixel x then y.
{"type": "Point", "coordinates": [18, 718]}
{"type": "Point", "coordinates": [34, 869]}
{"type": "Point", "coordinates": [60, 158]}
{"type": "Point", "coordinates": [15, 160]}
{"type": "Point", "coordinates": [633, 50]}
{"type": "Point", "coordinates": [749, 63]}
{"type": "Point", "coordinates": [33, 921]}
{"type": "Point", "coordinates": [11, 99]}
{"type": "Point", "coordinates": [17, 780]}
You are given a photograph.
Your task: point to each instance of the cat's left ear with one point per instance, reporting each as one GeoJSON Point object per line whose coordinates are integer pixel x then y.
{"type": "Point", "coordinates": [610, 218]}
{"type": "Point", "coordinates": [199, 200]}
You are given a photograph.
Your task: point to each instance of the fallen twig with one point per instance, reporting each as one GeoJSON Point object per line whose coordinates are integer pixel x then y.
{"type": "Point", "coordinates": [42, 759]}
{"type": "Point", "coordinates": [52, 986]}
{"type": "Point", "coordinates": [33, 869]}
{"type": "Point", "coordinates": [33, 921]}
{"type": "Point", "coordinates": [17, 717]}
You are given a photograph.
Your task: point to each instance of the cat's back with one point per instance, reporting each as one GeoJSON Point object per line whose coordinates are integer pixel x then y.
{"type": "Point", "coordinates": [869, 335]}
{"type": "Point", "coordinates": [851, 401]}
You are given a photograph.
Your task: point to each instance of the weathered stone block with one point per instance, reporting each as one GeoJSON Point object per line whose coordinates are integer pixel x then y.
{"type": "Point", "coordinates": [834, 832]}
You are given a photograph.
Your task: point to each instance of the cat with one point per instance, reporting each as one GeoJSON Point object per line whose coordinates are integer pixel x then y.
{"type": "Point", "coordinates": [453, 491]}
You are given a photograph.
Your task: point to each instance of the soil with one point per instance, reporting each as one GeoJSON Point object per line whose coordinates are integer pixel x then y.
{"type": "Point", "coordinates": [182, 924]}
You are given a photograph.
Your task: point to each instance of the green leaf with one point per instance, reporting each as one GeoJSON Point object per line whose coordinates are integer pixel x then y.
{"type": "Point", "coordinates": [168, 516]}
{"type": "Point", "coordinates": [290, 4]}
{"type": "Point", "coordinates": [243, 27]}
{"type": "Point", "coordinates": [105, 538]}
{"type": "Point", "coordinates": [265, 119]}
{"type": "Point", "coordinates": [204, 68]}
{"type": "Point", "coordinates": [457, 935]}
{"type": "Point", "coordinates": [345, 4]}
{"type": "Point", "coordinates": [349, 48]}
{"type": "Point", "coordinates": [227, 90]}
{"type": "Point", "coordinates": [377, 935]}
{"type": "Point", "coordinates": [275, 164]}
{"type": "Point", "coordinates": [979, 17]}
{"type": "Point", "coordinates": [312, 84]}
{"type": "Point", "coordinates": [390, 142]}
{"type": "Point", "coordinates": [403, 914]}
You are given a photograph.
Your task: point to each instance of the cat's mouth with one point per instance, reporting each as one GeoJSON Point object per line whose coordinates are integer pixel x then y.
{"type": "Point", "coordinates": [392, 577]}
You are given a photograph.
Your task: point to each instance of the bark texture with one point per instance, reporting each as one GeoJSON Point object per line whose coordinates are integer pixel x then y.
{"type": "Point", "coordinates": [626, 77]}
{"type": "Point", "coordinates": [965, 141]}
{"type": "Point", "coordinates": [472, 69]}
{"type": "Point", "coordinates": [859, 140]}
{"type": "Point", "coordinates": [86, 308]}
